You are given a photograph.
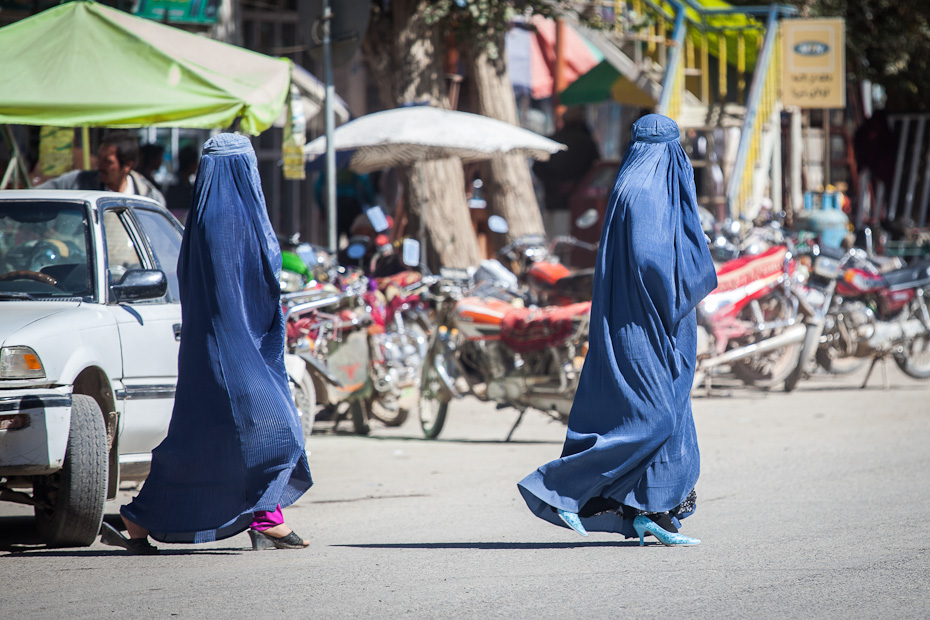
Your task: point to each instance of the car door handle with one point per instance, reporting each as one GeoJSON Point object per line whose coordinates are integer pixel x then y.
{"type": "Point", "coordinates": [177, 331]}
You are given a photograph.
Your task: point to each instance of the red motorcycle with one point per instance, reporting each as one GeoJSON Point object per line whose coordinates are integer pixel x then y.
{"type": "Point", "coordinates": [753, 320]}
{"type": "Point", "coordinates": [486, 346]}
{"type": "Point", "coordinates": [865, 313]}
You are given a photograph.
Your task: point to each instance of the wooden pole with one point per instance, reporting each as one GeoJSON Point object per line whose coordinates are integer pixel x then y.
{"type": "Point", "coordinates": [827, 161]}
{"type": "Point", "coordinates": [558, 79]}
{"type": "Point", "coordinates": [85, 146]}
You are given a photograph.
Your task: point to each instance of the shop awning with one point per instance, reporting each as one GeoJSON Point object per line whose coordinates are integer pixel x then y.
{"type": "Point", "coordinates": [531, 56]}
{"type": "Point", "coordinates": [85, 64]}
{"type": "Point", "coordinates": [618, 78]}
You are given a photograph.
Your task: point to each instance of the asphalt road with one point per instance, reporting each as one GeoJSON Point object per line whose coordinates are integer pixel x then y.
{"type": "Point", "coordinates": [810, 505]}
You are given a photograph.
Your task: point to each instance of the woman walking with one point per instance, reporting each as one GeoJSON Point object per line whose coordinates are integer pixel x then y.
{"type": "Point", "coordinates": [234, 453]}
{"type": "Point", "coordinates": [630, 459]}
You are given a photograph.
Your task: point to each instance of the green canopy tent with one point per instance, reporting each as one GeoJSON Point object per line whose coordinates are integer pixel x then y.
{"type": "Point", "coordinates": [82, 64]}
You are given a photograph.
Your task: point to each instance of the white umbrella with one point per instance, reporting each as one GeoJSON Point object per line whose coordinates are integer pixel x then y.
{"type": "Point", "coordinates": [417, 133]}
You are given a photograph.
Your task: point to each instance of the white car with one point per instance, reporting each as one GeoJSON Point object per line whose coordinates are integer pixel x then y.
{"type": "Point", "coordinates": [90, 323]}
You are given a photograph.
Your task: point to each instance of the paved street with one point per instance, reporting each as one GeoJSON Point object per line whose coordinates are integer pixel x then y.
{"type": "Point", "coordinates": [811, 505]}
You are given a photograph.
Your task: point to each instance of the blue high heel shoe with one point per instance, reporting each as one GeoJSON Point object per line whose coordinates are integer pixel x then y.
{"type": "Point", "coordinates": [571, 520]}
{"type": "Point", "coordinates": [643, 524]}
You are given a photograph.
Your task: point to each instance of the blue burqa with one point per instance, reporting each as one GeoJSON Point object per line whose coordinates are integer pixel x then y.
{"type": "Point", "coordinates": [235, 443]}
{"type": "Point", "coordinates": [631, 446]}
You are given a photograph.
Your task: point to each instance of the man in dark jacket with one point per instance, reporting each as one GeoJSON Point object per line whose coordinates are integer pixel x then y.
{"type": "Point", "coordinates": [118, 153]}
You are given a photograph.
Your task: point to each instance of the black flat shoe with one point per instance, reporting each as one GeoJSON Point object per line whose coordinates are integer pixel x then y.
{"type": "Point", "coordinates": [109, 535]}
{"type": "Point", "coordinates": [262, 541]}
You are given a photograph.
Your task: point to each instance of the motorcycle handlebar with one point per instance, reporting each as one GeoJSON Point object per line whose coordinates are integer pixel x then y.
{"type": "Point", "coordinates": [524, 242]}
{"type": "Point", "coordinates": [569, 240]}
{"type": "Point", "coordinates": [323, 302]}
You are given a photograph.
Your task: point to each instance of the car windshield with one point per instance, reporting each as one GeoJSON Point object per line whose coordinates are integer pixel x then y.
{"type": "Point", "coordinates": [44, 251]}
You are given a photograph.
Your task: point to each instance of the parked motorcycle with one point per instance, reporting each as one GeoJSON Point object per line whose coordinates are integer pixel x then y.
{"type": "Point", "coordinates": [360, 348]}
{"type": "Point", "coordinates": [400, 312]}
{"type": "Point", "coordinates": [309, 329]}
{"type": "Point", "coordinates": [753, 320]}
{"type": "Point", "coordinates": [398, 343]}
{"type": "Point", "coordinates": [485, 343]}
{"type": "Point", "coordinates": [301, 263]}
{"type": "Point", "coordinates": [865, 313]}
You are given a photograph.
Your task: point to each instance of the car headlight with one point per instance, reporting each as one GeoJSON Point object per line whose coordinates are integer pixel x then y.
{"type": "Point", "coordinates": [20, 363]}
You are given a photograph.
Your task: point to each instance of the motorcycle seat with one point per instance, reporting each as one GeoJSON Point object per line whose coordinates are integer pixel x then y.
{"type": "Point", "coordinates": [741, 271]}
{"type": "Point", "coordinates": [400, 280]}
{"type": "Point", "coordinates": [909, 277]}
{"type": "Point", "coordinates": [526, 330]}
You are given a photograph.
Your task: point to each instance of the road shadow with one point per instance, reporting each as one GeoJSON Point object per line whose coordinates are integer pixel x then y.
{"type": "Point", "coordinates": [20, 538]}
{"type": "Point", "coordinates": [22, 551]}
{"type": "Point", "coordinates": [18, 531]}
{"type": "Point", "coordinates": [497, 546]}
{"type": "Point", "coordinates": [524, 442]}
{"type": "Point", "coordinates": [878, 387]}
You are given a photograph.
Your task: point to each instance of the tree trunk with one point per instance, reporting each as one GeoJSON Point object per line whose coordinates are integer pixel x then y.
{"type": "Point", "coordinates": [508, 184]}
{"type": "Point", "coordinates": [404, 55]}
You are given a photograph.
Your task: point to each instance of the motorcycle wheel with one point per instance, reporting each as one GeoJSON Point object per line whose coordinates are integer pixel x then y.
{"type": "Point", "coordinates": [304, 396]}
{"type": "Point", "coordinates": [434, 397]}
{"type": "Point", "coordinates": [387, 415]}
{"type": "Point", "coordinates": [418, 326]}
{"type": "Point", "coordinates": [769, 369]}
{"type": "Point", "coordinates": [358, 411]}
{"type": "Point", "coordinates": [830, 360]}
{"type": "Point", "coordinates": [914, 357]}
{"type": "Point", "coordinates": [809, 349]}
{"type": "Point", "coordinates": [432, 416]}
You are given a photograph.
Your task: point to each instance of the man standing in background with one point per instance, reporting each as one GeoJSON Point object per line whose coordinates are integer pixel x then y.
{"type": "Point", "coordinates": [116, 156]}
{"type": "Point", "coordinates": [563, 171]}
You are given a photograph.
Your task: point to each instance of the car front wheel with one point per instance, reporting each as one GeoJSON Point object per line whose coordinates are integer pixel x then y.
{"type": "Point", "coordinates": [71, 501]}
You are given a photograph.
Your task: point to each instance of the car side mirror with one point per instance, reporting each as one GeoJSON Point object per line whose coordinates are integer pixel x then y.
{"type": "Point", "coordinates": [137, 284]}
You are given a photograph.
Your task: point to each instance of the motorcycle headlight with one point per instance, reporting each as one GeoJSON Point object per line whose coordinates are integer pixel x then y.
{"type": "Point", "coordinates": [20, 363]}
{"type": "Point", "coordinates": [826, 267]}
{"type": "Point", "coordinates": [291, 282]}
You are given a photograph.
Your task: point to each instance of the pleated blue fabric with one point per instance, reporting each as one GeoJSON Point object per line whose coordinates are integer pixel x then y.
{"type": "Point", "coordinates": [631, 440]}
{"type": "Point", "coordinates": [235, 444]}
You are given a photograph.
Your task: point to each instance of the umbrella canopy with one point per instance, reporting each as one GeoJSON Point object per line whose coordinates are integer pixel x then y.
{"type": "Point", "coordinates": [417, 133]}
{"type": "Point", "coordinates": [84, 64]}
{"type": "Point", "coordinates": [531, 56]}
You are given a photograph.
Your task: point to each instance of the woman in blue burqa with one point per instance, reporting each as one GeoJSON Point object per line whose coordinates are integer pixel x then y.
{"type": "Point", "coordinates": [630, 459]}
{"type": "Point", "coordinates": [234, 453]}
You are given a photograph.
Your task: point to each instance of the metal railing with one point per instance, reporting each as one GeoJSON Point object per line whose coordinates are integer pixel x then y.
{"type": "Point", "coordinates": [673, 83]}
{"type": "Point", "coordinates": [760, 105]}
{"type": "Point", "coordinates": [912, 168]}
{"type": "Point", "coordinates": [680, 37]}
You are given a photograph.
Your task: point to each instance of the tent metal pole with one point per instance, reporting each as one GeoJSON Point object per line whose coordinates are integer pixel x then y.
{"type": "Point", "coordinates": [17, 163]}
{"type": "Point", "coordinates": [330, 122]}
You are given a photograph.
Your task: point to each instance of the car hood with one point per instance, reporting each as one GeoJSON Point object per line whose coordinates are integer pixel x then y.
{"type": "Point", "coordinates": [15, 315]}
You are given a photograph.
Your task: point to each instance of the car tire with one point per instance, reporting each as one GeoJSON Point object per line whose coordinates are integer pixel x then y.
{"type": "Point", "coordinates": [72, 499]}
